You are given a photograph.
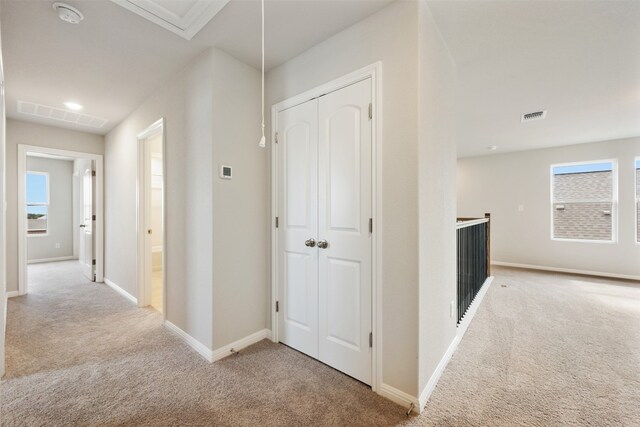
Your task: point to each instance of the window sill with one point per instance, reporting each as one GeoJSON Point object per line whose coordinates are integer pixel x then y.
{"type": "Point", "coordinates": [38, 235]}
{"type": "Point", "coordinates": [609, 242]}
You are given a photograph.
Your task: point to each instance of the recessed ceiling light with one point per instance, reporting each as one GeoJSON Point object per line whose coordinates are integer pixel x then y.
{"type": "Point", "coordinates": [492, 147]}
{"type": "Point", "coordinates": [67, 13]}
{"type": "Point", "coordinates": [73, 106]}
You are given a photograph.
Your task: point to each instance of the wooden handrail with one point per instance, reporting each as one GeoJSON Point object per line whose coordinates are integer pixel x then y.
{"type": "Point", "coordinates": [468, 222]}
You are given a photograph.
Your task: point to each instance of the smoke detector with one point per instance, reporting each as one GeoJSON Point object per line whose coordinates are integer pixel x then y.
{"type": "Point", "coordinates": [67, 13]}
{"type": "Point", "coordinates": [536, 115]}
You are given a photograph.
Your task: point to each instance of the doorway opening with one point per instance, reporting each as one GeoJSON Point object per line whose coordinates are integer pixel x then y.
{"type": "Point", "coordinates": [59, 211]}
{"type": "Point", "coordinates": [151, 218]}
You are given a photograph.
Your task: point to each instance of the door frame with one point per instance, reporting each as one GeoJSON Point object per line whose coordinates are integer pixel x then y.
{"type": "Point", "coordinates": [23, 150]}
{"type": "Point", "coordinates": [373, 72]}
{"type": "Point", "coordinates": [144, 299]}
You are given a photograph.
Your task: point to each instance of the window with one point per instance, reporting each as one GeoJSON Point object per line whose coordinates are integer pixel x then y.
{"type": "Point", "coordinates": [584, 201]}
{"type": "Point", "coordinates": [37, 203]}
{"type": "Point", "coordinates": [638, 200]}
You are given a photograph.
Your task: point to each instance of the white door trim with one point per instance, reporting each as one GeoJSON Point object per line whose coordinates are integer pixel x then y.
{"type": "Point", "coordinates": [374, 72]}
{"type": "Point", "coordinates": [143, 298]}
{"type": "Point", "coordinates": [22, 196]}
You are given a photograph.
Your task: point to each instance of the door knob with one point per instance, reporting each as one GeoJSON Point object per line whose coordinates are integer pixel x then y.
{"type": "Point", "coordinates": [310, 242]}
{"type": "Point", "coordinates": [323, 244]}
{"type": "Point", "coordinates": [82, 226]}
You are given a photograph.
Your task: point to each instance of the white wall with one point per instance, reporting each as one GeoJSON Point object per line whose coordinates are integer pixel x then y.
{"type": "Point", "coordinates": [216, 233]}
{"type": "Point", "coordinates": [437, 194]}
{"type": "Point", "coordinates": [60, 212]}
{"type": "Point", "coordinates": [499, 183]}
{"type": "Point", "coordinates": [185, 102]}
{"type": "Point", "coordinates": [390, 36]}
{"type": "Point", "coordinates": [240, 216]}
{"type": "Point", "coordinates": [19, 132]}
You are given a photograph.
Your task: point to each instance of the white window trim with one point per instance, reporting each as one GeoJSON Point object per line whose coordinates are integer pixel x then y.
{"type": "Point", "coordinates": [47, 203]}
{"type": "Point", "coordinates": [614, 201]}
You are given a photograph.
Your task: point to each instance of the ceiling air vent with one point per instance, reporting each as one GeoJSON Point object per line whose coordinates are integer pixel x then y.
{"type": "Point", "coordinates": [53, 113]}
{"type": "Point", "coordinates": [536, 115]}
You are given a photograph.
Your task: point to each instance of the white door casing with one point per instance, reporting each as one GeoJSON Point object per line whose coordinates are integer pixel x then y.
{"type": "Point", "coordinates": [143, 195]}
{"type": "Point", "coordinates": [344, 199]}
{"type": "Point", "coordinates": [324, 163]}
{"type": "Point", "coordinates": [297, 262]}
{"type": "Point", "coordinates": [98, 202]}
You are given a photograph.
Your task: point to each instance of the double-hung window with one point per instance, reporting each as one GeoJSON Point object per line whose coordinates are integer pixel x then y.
{"type": "Point", "coordinates": [584, 201]}
{"type": "Point", "coordinates": [37, 203]}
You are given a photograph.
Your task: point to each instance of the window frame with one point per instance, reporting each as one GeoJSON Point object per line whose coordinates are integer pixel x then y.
{"type": "Point", "coordinates": [47, 203]}
{"type": "Point", "coordinates": [614, 201]}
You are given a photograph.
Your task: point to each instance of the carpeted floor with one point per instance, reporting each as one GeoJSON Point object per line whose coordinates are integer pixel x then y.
{"type": "Point", "coordinates": [544, 350]}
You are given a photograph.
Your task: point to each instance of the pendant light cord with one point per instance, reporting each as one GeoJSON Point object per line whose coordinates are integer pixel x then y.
{"type": "Point", "coordinates": [263, 137]}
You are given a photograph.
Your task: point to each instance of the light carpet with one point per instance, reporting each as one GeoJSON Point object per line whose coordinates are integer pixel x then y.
{"type": "Point", "coordinates": [545, 349]}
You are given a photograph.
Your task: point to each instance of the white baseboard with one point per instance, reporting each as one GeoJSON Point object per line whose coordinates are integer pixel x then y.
{"type": "Point", "coordinates": [446, 358]}
{"type": "Point", "coordinates": [11, 294]}
{"type": "Point", "coordinates": [566, 270]}
{"type": "Point", "coordinates": [200, 348]}
{"type": "Point", "coordinates": [41, 260]}
{"type": "Point", "coordinates": [225, 351]}
{"type": "Point", "coordinates": [398, 396]}
{"type": "Point", "coordinates": [471, 311]}
{"type": "Point", "coordinates": [121, 291]}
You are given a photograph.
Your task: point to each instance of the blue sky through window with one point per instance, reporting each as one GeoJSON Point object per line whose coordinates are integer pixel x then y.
{"type": "Point", "coordinates": [581, 168]}
{"type": "Point", "coordinates": [36, 188]}
{"type": "Point", "coordinates": [638, 164]}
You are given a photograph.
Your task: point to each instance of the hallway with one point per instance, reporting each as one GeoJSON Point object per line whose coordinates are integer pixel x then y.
{"type": "Point", "coordinates": [543, 349]}
{"type": "Point", "coordinates": [80, 354]}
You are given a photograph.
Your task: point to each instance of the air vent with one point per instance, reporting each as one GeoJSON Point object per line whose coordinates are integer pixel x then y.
{"type": "Point", "coordinates": [536, 115]}
{"type": "Point", "coordinates": [53, 113]}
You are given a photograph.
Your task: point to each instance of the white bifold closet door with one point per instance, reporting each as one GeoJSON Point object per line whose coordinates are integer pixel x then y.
{"type": "Point", "coordinates": [324, 206]}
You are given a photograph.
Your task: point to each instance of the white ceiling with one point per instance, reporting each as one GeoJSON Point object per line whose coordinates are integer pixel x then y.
{"type": "Point", "coordinates": [114, 59]}
{"type": "Point", "coordinates": [579, 60]}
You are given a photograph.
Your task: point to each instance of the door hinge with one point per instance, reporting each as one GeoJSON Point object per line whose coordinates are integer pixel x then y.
{"type": "Point", "coordinates": [93, 262]}
{"type": "Point", "coordinates": [93, 173]}
{"type": "Point", "coordinates": [277, 222]}
{"type": "Point", "coordinates": [93, 217]}
{"type": "Point", "coordinates": [371, 339]}
{"type": "Point", "coordinates": [370, 110]}
{"type": "Point", "coordinates": [277, 306]}
{"type": "Point", "coordinates": [371, 225]}
{"type": "Point", "coordinates": [276, 137]}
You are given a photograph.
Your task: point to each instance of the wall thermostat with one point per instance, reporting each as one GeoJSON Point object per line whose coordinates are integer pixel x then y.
{"type": "Point", "coordinates": [225, 172]}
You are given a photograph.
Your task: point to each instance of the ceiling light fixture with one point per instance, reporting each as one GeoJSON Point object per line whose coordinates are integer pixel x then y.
{"type": "Point", "coordinates": [263, 140]}
{"type": "Point", "coordinates": [67, 13]}
{"type": "Point", "coordinates": [492, 147]}
{"type": "Point", "coordinates": [73, 106]}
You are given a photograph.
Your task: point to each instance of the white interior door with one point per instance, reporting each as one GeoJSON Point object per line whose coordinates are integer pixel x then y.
{"type": "Point", "coordinates": [298, 227]}
{"type": "Point", "coordinates": [324, 205]}
{"type": "Point", "coordinates": [344, 199]}
{"type": "Point", "coordinates": [85, 252]}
